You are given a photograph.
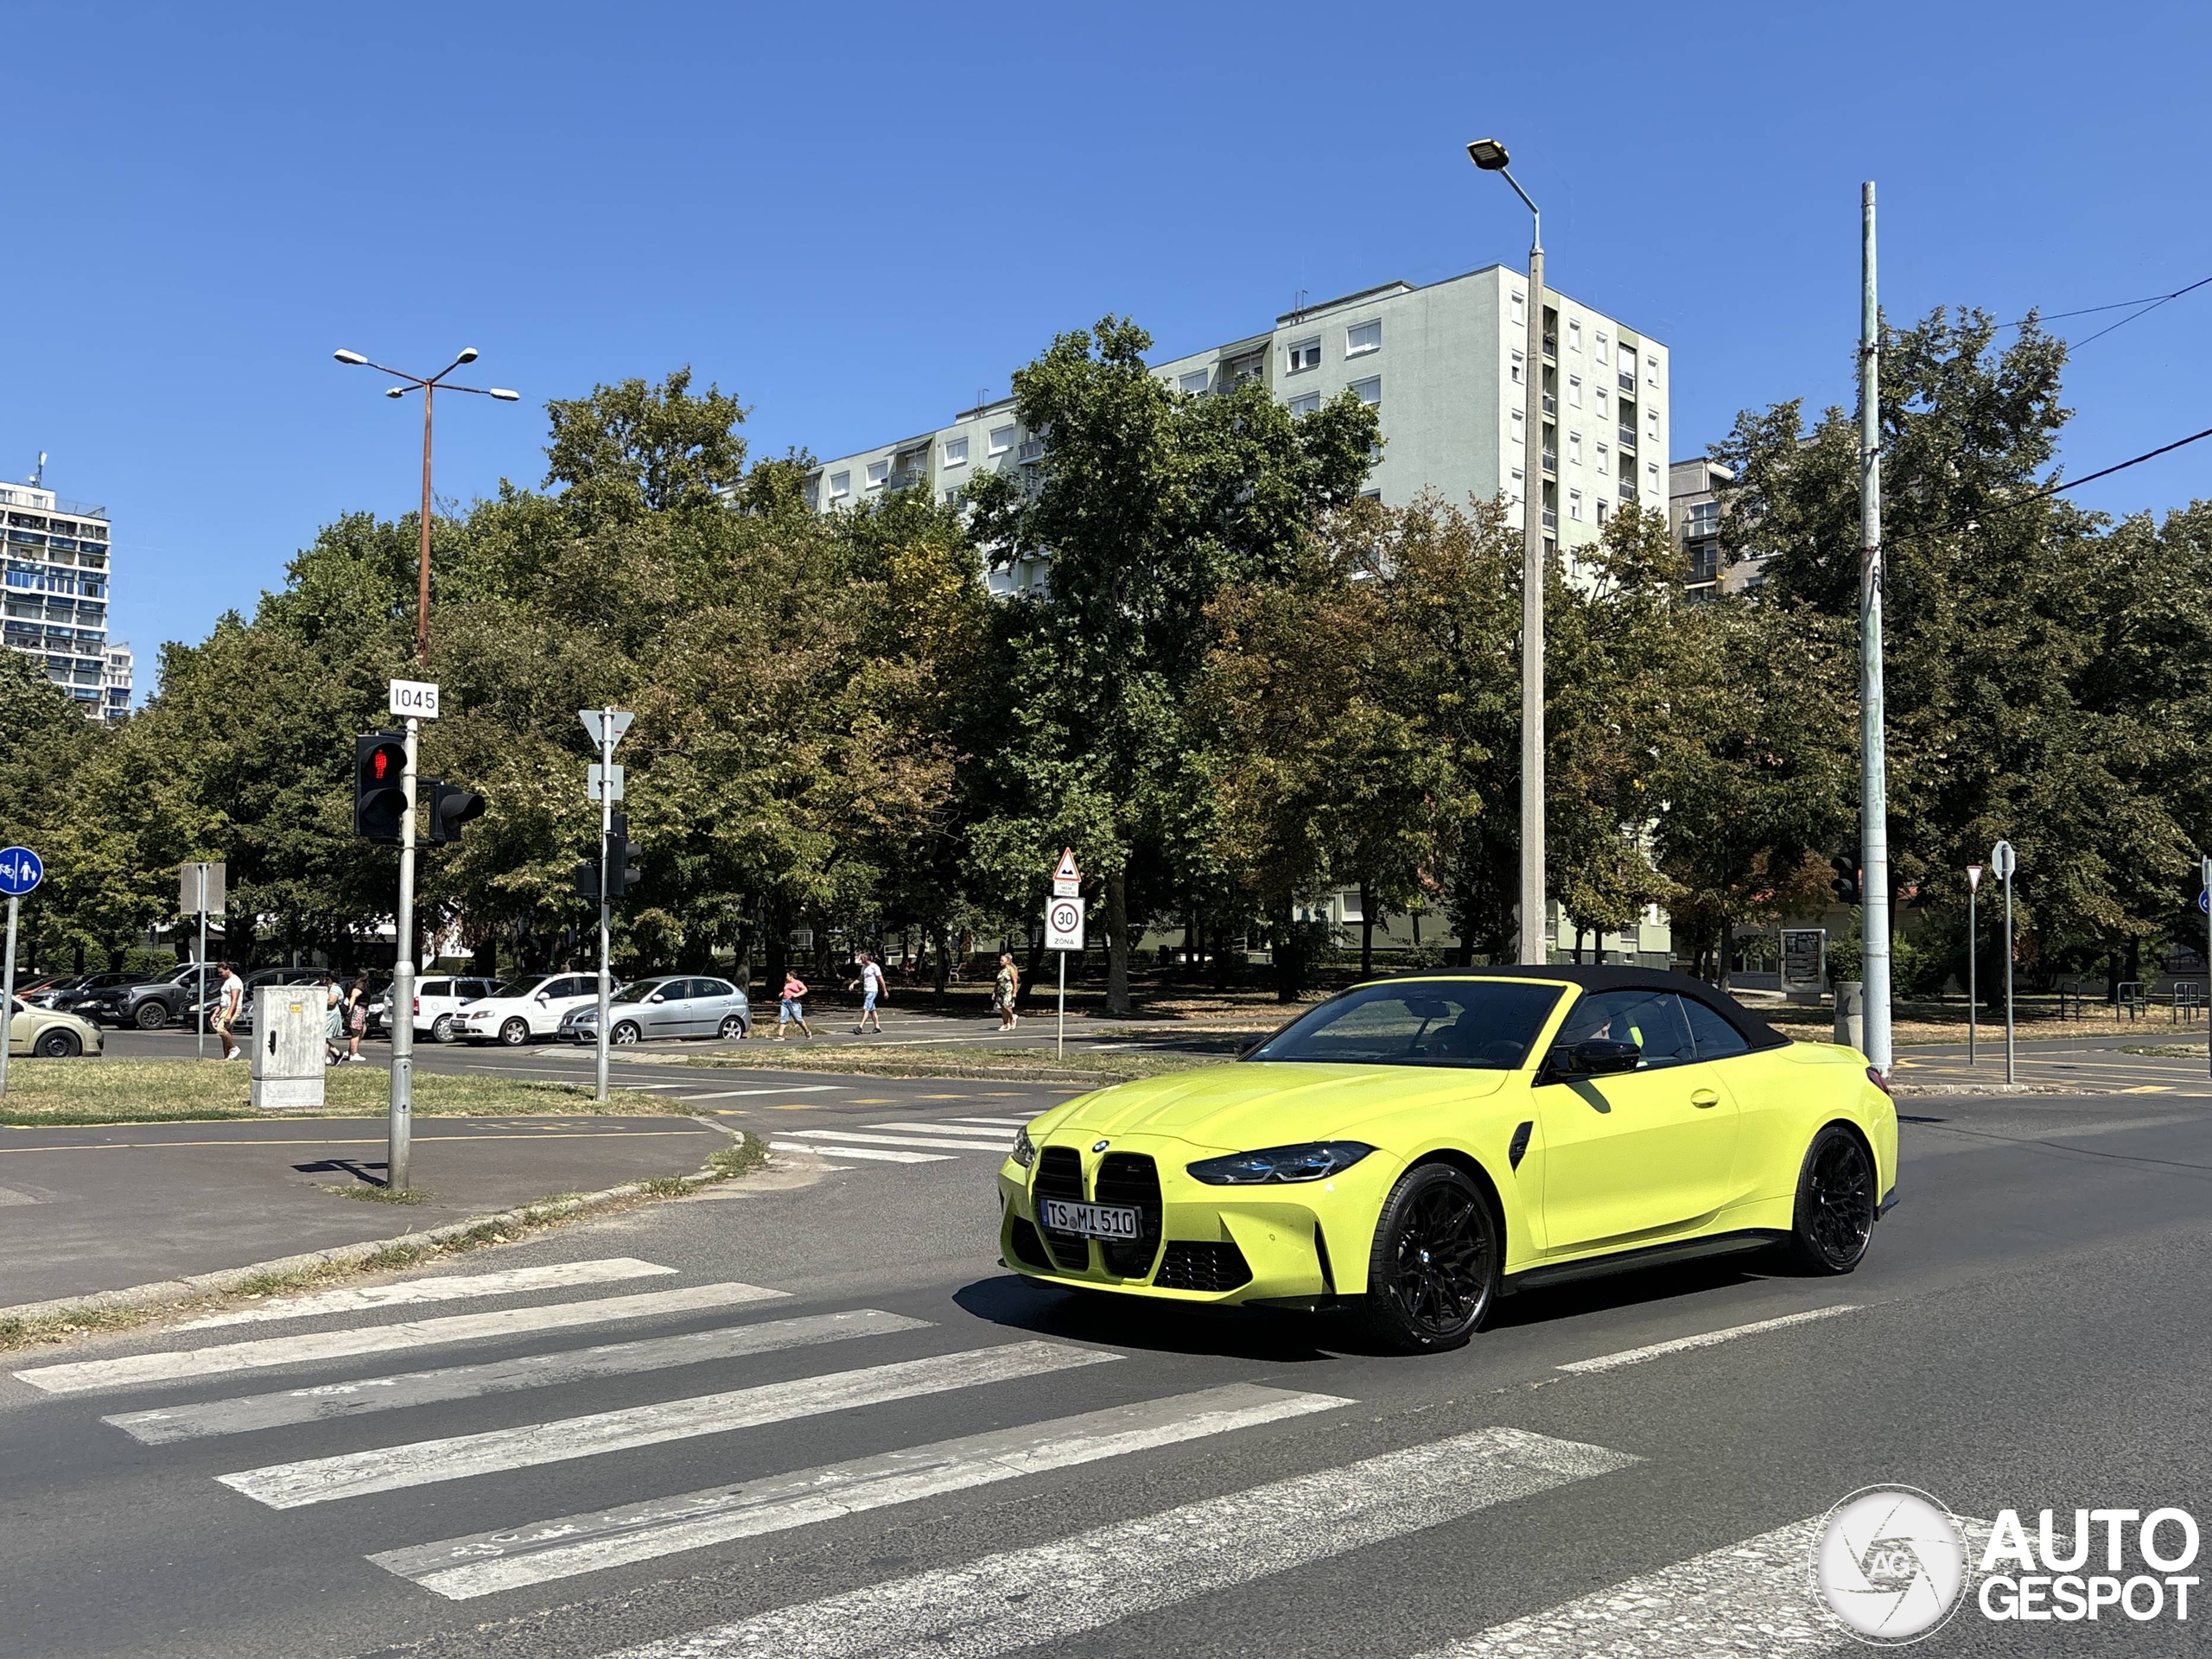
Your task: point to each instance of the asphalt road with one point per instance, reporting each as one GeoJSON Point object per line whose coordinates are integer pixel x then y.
{"type": "Point", "coordinates": [900, 1453]}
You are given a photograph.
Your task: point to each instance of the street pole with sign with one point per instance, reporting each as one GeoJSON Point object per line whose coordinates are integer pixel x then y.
{"type": "Point", "coordinates": [1973, 941]}
{"type": "Point", "coordinates": [20, 871]}
{"type": "Point", "coordinates": [605, 783]}
{"type": "Point", "coordinates": [417, 701]}
{"type": "Point", "coordinates": [199, 890]}
{"type": "Point", "coordinates": [1064, 930]}
{"type": "Point", "coordinates": [2204, 901]}
{"type": "Point", "coordinates": [2001, 861]}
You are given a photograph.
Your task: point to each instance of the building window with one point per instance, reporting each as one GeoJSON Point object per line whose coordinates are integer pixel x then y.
{"type": "Point", "coordinates": [1001, 440]}
{"type": "Point", "coordinates": [1574, 447]}
{"type": "Point", "coordinates": [1604, 456]}
{"type": "Point", "coordinates": [877, 472]}
{"type": "Point", "coordinates": [1195, 382]}
{"type": "Point", "coordinates": [1601, 512]}
{"type": "Point", "coordinates": [1651, 473]}
{"type": "Point", "coordinates": [1363, 337]}
{"type": "Point", "coordinates": [1306, 403]}
{"type": "Point", "coordinates": [1650, 371]}
{"type": "Point", "coordinates": [952, 497]}
{"type": "Point", "coordinates": [1376, 496]}
{"type": "Point", "coordinates": [1370, 390]}
{"type": "Point", "coordinates": [1574, 390]}
{"type": "Point", "coordinates": [956, 452]}
{"type": "Point", "coordinates": [1651, 422]}
{"type": "Point", "coordinates": [1520, 479]}
{"type": "Point", "coordinates": [1603, 406]}
{"type": "Point", "coordinates": [1519, 359]}
{"type": "Point", "coordinates": [1520, 427]}
{"type": "Point", "coordinates": [1573, 334]}
{"type": "Point", "coordinates": [1599, 347]}
{"type": "Point", "coordinates": [1520, 312]}
{"type": "Point", "coordinates": [1306, 354]}
{"type": "Point", "coordinates": [1574, 505]}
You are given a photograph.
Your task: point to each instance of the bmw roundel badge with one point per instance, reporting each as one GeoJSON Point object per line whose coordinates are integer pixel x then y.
{"type": "Point", "coordinates": [1100, 1146]}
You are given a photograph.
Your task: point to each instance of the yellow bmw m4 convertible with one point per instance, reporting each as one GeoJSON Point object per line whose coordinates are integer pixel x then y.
{"type": "Point", "coordinates": [1427, 1145]}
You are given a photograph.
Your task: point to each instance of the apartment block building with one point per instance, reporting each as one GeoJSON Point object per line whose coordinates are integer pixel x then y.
{"type": "Point", "coordinates": [1693, 509]}
{"type": "Point", "coordinates": [56, 601]}
{"type": "Point", "coordinates": [1445, 367]}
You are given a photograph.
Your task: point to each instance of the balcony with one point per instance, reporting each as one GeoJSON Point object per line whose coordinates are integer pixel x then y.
{"type": "Point", "coordinates": [1551, 404]}
{"type": "Point", "coordinates": [1032, 449]}
{"type": "Point", "coordinates": [1551, 522]}
{"type": "Point", "coordinates": [1627, 436]}
{"type": "Point", "coordinates": [1551, 462]}
{"type": "Point", "coordinates": [1628, 380]}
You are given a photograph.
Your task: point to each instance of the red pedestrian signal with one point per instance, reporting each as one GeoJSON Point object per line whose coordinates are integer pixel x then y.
{"type": "Point", "coordinates": [380, 798]}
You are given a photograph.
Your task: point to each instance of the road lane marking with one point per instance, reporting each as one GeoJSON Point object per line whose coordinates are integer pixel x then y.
{"type": "Point", "coordinates": [795, 1089]}
{"type": "Point", "coordinates": [1704, 1339]}
{"type": "Point", "coordinates": [870, 1154]}
{"type": "Point", "coordinates": [1753, 1599]}
{"type": "Point", "coordinates": [317, 1345]}
{"type": "Point", "coordinates": [861, 1137]}
{"type": "Point", "coordinates": [948, 1126]}
{"type": "Point", "coordinates": [393, 1393]}
{"type": "Point", "coordinates": [489, 1562]}
{"type": "Point", "coordinates": [1019, 1599]}
{"type": "Point", "coordinates": [366, 1140]}
{"type": "Point", "coordinates": [383, 1469]}
{"type": "Point", "coordinates": [996, 1123]}
{"type": "Point", "coordinates": [558, 1275]}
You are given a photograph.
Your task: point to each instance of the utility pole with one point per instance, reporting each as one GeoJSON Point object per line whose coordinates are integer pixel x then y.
{"type": "Point", "coordinates": [606, 735]}
{"type": "Point", "coordinates": [1973, 944]}
{"type": "Point", "coordinates": [1874, 781]}
{"type": "Point", "coordinates": [2002, 860]}
{"type": "Point", "coordinates": [2206, 900]}
{"type": "Point", "coordinates": [399, 1120]}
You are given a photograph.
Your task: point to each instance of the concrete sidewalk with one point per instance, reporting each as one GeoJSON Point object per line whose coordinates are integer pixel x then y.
{"type": "Point", "coordinates": [93, 1209]}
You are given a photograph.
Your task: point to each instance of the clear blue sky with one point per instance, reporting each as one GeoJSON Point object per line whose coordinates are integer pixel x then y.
{"type": "Point", "coordinates": [856, 217]}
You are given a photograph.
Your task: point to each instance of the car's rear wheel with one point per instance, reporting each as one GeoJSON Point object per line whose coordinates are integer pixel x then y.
{"type": "Point", "coordinates": [625, 1035]}
{"type": "Point", "coordinates": [441, 1029]}
{"type": "Point", "coordinates": [1834, 1218]}
{"type": "Point", "coordinates": [1433, 1274]}
{"type": "Point", "coordinates": [515, 1032]}
{"type": "Point", "coordinates": [151, 1016]}
{"type": "Point", "coordinates": [733, 1027]}
{"type": "Point", "coordinates": [57, 1045]}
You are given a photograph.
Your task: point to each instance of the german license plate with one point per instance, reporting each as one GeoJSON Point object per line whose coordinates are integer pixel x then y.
{"type": "Point", "coordinates": [1116, 1221]}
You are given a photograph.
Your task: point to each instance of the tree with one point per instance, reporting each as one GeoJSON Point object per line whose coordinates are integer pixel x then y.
{"type": "Point", "coordinates": [631, 449]}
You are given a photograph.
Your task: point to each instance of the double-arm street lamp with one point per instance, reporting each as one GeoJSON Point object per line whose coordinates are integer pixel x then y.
{"type": "Point", "coordinates": [1490, 156]}
{"type": "Point", "coordinates": [435, 384]}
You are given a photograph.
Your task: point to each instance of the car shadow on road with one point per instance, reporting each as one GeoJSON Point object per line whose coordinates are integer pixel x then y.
{"type": "Point", "coordinates": [1257, 1334]}
{"type": "Point", "coordinates": [1636, 1287]}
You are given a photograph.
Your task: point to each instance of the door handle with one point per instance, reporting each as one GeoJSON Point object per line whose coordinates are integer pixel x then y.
{"type": "Point", "coordinates": [1704, 1097]}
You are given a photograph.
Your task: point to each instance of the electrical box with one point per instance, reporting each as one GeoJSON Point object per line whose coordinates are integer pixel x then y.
{"type": "Point", "coordinates": [290, 1022]}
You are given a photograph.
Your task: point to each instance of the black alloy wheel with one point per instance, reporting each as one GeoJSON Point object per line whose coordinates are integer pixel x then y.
{"type": "Point", "coordinates": [59, 1044]}
{"type": "Point", "coordinates": [1835, 1203]}
{"type": "Point", "coordinates": [1433, 1274]}
{"type": "Point", "coordinates": [515, 1032]}
{"type": "Point", "coordinates": [152, 1014]}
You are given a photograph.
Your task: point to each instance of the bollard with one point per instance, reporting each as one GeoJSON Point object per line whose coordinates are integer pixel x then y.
{"type": "Point", "coordinates": [1851, 1013]}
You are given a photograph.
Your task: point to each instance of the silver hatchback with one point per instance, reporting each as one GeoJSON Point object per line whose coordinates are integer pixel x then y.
{"type": "Point", "coordinates": [677, 1006]}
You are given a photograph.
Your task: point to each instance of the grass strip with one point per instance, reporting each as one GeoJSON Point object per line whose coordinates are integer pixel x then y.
{"type": "Point", "coordinates": [47, 1324]}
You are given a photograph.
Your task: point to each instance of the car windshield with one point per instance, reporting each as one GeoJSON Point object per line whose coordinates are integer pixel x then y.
{"type": "Point", "coordinates": [1487, 1024]}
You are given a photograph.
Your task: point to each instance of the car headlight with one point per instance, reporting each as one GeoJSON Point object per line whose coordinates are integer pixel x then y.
{"type": "Point", "coordinates": [1314, 1161]}
{"type": "Point", "coordinates": [1025, 1149]}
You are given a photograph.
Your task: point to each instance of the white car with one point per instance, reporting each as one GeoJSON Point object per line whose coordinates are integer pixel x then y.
{"type": "Point", "coordinates": [534, 1011]}
{"type": "Point", "coordinates": [439, 999]}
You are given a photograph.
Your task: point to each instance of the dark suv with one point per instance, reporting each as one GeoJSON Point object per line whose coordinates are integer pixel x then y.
{"type": "Point", "coordinates": [150, 1004]}
{"type": "Point", "coordinates": [67, 995]}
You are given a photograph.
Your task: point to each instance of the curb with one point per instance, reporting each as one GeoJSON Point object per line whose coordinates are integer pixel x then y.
{"type": "Point", "coordinates": [199, 1284]}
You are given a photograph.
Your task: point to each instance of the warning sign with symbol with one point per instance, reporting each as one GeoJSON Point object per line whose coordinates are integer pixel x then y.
{"type": "Point", "coordinates": [1067, 880]}
{"type": "Point", "coordinates": [1064, 925]}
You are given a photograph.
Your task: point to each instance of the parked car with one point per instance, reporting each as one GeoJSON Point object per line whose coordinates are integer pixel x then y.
{"type": "Point", "coordinates": [150, 1004]}
{"type": "Point", "coordinates": [533, 1010]}
{"type": "Point", "coordinates": [678, 1006]}
{"type": "Point", "coordinates": [439, 999]}
{"type": "Point", "coordinates": [50, 1034]}
{"type": "Point", "coordinates": [74, 990]}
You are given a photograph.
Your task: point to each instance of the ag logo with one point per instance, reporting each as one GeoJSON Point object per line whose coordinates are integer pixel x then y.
{"type": "Point", "coordinates": [1890, 1561]}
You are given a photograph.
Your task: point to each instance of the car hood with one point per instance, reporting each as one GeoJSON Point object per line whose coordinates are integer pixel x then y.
{"type": "Point", "coordinates": [1249, 1104]}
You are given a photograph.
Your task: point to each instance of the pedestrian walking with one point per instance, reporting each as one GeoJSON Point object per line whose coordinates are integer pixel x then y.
{"type": "Point", "coordinates": [1004, 988]}
{"type": "Point", "coordinates": [357, 1017]}
{"type": "Point", "coordinates": [230, 997]}
{"type": "Point", "coordinates": [793, 1009]}
{"type": "Point", "coordinates": [333, 1019]}
{"type": "Point", "coordinates": [871, 986]}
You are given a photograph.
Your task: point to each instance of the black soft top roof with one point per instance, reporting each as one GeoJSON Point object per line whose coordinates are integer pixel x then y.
{"type": "Point", "coordinates": [1619, 977]}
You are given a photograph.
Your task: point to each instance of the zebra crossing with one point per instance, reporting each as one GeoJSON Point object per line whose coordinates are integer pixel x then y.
{"type": "Point", "coordinates": [905, 1142]}
{"type": "Point", "coordinates": [1749, 1599]}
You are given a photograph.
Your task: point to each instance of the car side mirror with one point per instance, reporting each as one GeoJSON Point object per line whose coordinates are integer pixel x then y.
{"type": "Point", "coordinates": [1593, 1057]}
{"type": "Point", "coordinates": [657, 996]}
{"type": "Point", "coordinates": [542, 998]}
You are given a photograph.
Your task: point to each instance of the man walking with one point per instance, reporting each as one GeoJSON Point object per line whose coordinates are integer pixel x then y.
{"type": "Point", "coordinates": [872, 986]}
{"type": "Point", "coordinates": [230, 997]}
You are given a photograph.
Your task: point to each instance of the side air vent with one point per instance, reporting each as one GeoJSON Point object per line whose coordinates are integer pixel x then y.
{"type": "Point", "coordinates": [1028, 1248]}
{"type": "Point", "coordinates": [1520, 1148]}
{"type": "Point", "coordinates": [1185, 1266]}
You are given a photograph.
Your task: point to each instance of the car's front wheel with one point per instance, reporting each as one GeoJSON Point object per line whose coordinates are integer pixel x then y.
{"type": "Point", "coordinates": [1834, 1219]}
{"type": "Point", "coordinates": [1433, 1274]}
{"type": "Point", "coordinates": [733, 1027]}
{"type": "Point", "coordinates": [625, 1035]}
{"type": "Point", "coordinates": [515, 1032]}
{"type": "Point", "coordinates": [58, 1045]}
{"type": "Point", "coordinates": [151, 1016]}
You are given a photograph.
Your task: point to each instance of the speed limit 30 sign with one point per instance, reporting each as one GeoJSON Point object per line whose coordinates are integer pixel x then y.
{"type": "Point", "coordinates": [1064, 925]}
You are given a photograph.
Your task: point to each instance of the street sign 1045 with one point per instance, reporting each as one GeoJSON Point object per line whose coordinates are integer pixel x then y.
{"type": "Point", "coordinates": [417, 699]}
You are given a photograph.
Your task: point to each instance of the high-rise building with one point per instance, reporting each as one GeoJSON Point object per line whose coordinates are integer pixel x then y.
{"type": "Point", "coordinates": [1444, 368]}
{"type": "Point", "coordinates": [57, 594]}
{"type": "Point", "coordinates": [117, 666]}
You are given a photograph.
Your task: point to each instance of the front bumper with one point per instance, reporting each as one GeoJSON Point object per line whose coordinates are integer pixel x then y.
{"type": "Point", "coordinates": [1293, 1241]}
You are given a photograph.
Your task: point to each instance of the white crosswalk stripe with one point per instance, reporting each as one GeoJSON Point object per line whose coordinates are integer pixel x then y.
{"type": "Point", "coordinates": [991, 1606]}
{"type": "Point", "coordinates": [322, 1480]}
{"type": "Point", "coordinates": [841, 1139]}
{"type": "Point", "coordinates": [558, 1275]}
{"type": "Point", "coordinates": [375, 1394]}
{"type": "Point", "coordinates": [872, 1154]}
{"type": "Point", "coordinates": [487, 1563]}
{"type": "Point", "coordinates": [972, 1134]}
{"type": "Point", "coordinates": [381, 1338]}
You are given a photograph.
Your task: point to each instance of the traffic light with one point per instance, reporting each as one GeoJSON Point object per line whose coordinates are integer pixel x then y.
{"type": "Point", "coordinates": [1847, 879]}
{"type": "Point", "coordinates": [587, 879]}
{"type": "Point", "coordinates": [622, 856]}
{"type": "Point", "coordinates": [379, 799]}
{"type": "Point", "coordinates": [451, 806]}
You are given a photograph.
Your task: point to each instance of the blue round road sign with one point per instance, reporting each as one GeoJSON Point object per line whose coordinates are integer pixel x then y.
{"type": "Point", "coordinates": [20, 871]}
{"type": "Point", "coordinates": [2204, 903]}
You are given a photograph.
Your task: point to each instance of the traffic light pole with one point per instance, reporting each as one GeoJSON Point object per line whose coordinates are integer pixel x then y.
{"type": "Point", "coordinates": [606, 735]}
{"type": "Point", "coordinates": [399, 1124]}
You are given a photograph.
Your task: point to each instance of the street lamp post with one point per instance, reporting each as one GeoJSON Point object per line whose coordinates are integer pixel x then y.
{"type": "Point", "coordinates": [1489, 154]}
{"type": "Point", "coordinates": [402, 1001]}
